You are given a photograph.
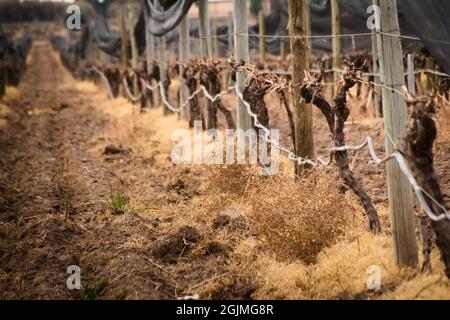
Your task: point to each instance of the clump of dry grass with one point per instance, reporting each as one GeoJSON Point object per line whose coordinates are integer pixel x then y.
{"type": "Point", "coordinates": [281, 280]}
{"type": "Point", "coordinates": [342, 270]}
{"type": "Point", "coordinates": [423, 287]}
{"type": "Point", "coordinates": [232, 179]}
{"type": "Point", "coordinates": [298, 219]}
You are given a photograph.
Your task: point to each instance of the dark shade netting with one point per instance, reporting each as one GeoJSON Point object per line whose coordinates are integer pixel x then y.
{"type": "Point", "coordinates": [426, 20]}
{"type": "Point", "coordinates": [107, 40]}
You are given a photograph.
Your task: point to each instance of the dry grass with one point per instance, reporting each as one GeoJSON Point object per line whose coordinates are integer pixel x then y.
{"type": "Point", "coordinates": [11, 93]}
{"type": "Point", "coordinates": [297, 220]}
{"type": "Point", "coordinates": [235, 180]}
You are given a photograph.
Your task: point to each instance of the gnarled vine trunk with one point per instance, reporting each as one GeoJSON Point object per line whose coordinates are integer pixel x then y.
{"type": "Point", "coordinates": [336, 117]}
{"type": "Point", "coordinates": [418, 150]}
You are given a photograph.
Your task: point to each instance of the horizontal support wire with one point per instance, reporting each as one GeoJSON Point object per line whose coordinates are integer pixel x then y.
{"type": "Point", "coordinates": [364, 74]}
{"type": "Point", "coordinates": [128, 91]}
{"type": "Point", "coordinates": [104, 79]}
{"type": "Point", "coordinates": [325, 36]}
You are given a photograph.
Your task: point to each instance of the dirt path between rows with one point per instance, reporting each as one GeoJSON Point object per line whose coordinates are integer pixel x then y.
{"type": "Point", "coordinates": [46, 171]}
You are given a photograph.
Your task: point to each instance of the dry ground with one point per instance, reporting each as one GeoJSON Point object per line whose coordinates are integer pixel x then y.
{"type": "Point", "coordinates": [218, 231]}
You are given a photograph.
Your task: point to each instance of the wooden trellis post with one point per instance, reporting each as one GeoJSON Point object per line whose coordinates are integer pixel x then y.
{"type": "Point", "coordinates": [204, 29]}
{"type": "Point", "coordinates": [376, 90]}
{"type": "Point", "coordinates": [123, 45]}
{"type": "Point", "coordinates": [308, 23]}
{"type": "Point", "coordinates": [411, 79]}
{"type": "Point", "coordinates": [336, 42]}
{"type": "Point", "coordinates": [161, 42]}
{"type": "Point", "coordinates": [205, 42]}
{"type": "Point", "coordinates": [230, 44]}
{"type": "Point", "coordinates": [304, 142]}
{"type": "Point", "coordinates": [162, 67]}
{"type": "Point", "coordinates": [395, 115]}
{"type": "Point", "coordinates": [134, 50]}
{"type": "Point", "coordinates": [241, 48]}
{"type": "Point", "coordinates": [283, 48]}
{"type": "Point", "coordinates": [215, 39]}
{"type": "Point", "coordinates": [262, 42]}
{"type": "Point", "coordinates": [184, 58]}
{"type": "Point", "coordinates": [230, 33]}
{"type": "Point", "coordinates": [149, 45]}
{"type": "Point", "coordinates": [430, 65]}
{"type": "Point", "coordinates": [124, 40]}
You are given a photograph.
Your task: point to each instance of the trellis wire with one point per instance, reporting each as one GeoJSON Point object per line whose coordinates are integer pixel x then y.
{"type": "Point", "coordinates": [104, 79]}
{"type": "Point", "coordinates": [327, 36]}
{"type": "Point", "coordinates": [128, 91]}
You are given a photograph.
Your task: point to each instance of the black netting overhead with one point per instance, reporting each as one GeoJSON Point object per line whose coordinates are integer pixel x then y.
{"type": "Point", "coordinates": [276, 25]}
{"type": "Point", "coordinates": [162, 20]}
{"type": "Point", "coordinates": [427, 20]}
{"type": "Point", "coordinates": [107, 40]}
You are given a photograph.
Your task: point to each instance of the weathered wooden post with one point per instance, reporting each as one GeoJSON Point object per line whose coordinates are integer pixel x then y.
{"type": "Point", "coordinates": [162, 67]}
{"type": "Point", "coordinates": [336, 41]}
{"type": "Point", "coordinates": [134, 50]}
{"type": "Point", "coordinates": [123, 46]}
{"type": "Point", "coordinates": [204, 29]}
{"type": "Point", "coordinates": [228, 79]}
{"type": "Point", "coordinates": [184, 58]}
{"type": "Point", "coordinates": [230, 33]}
{"type": "Point", "coordinates": [214, 38]}
{"type": "Point", "coordinates": [394, 111]}
{"type": "Point", "coordinates": [376, 78]}
{"type": "Point", "coordinates": [262, 40]}
{"type": "Point", "coordinates": [241, 48]}
{"type": "Point", "coordinates": [161, 44]}
{"type": "Point", "coordinates": [124, 40]}
{"type": "Point", "coordinates": [431, 79]}
{"type": "Point", "coordinates": [283, 48]}
{"type": "Point", "coordinates": [149, 47]}
{"type": "Point", "coordinates": [205, 43]}
{"type": "Point", "coordinates": [410, 72]}
{"type": "Point", "coordinates": [304, 142]}
{"type": "Point", "coordinates": [308, 23]}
